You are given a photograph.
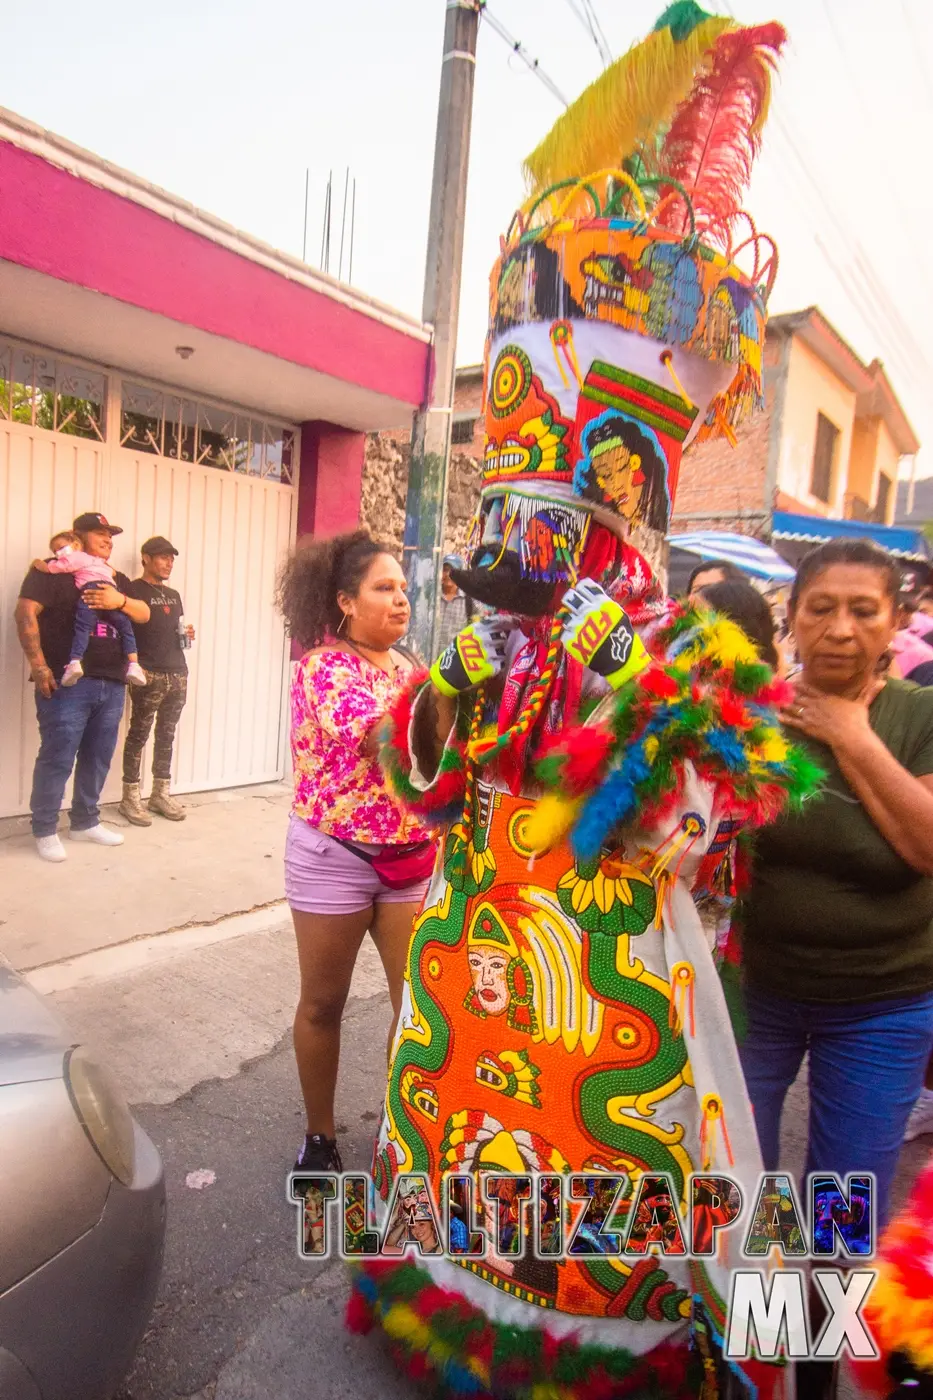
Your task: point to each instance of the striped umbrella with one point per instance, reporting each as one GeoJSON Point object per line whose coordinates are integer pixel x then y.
{"type": "Point", "coordinates": [747, 554]}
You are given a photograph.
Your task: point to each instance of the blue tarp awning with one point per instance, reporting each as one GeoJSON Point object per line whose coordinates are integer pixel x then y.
{"type": "Point", "coordinates": [813, 529]}
{"type": "Point", "coordinates": [748, 554]}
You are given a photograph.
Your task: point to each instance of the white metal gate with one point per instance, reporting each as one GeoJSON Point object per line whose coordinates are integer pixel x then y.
{"type": "Point", "coordinates": [232, 531]}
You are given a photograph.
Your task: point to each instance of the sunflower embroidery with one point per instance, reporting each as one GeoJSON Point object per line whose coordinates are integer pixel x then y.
{"type": "Point", "coordinates": [607, 894]}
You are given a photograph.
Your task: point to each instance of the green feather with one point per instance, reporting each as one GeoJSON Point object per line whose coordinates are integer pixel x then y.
{"type": "Point", "coordinates": [681, 19]}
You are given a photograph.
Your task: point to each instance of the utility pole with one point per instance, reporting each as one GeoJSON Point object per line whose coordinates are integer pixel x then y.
{"type": "Point", "coordinates": [430, 438]}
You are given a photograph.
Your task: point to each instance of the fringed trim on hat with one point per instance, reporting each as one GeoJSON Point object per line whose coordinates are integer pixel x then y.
{"type": "Point", "coordinates": [441, 802]}
{"type": "Point", "coordinates": [730, 408]}
{"type": "Point", "coordinates": [439, 1335]}
{"type": "Point", "coordinates": [706, 700]}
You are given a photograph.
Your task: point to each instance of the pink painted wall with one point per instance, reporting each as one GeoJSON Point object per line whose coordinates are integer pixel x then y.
{"type": "Point", "coordinates": [55, 223]}
{"type": "Point", "coordinates": [330, 484]}
{"type": "Point", "coordinates": [330, 479]}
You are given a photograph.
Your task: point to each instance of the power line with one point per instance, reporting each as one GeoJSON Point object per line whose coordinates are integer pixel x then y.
{"type": "Point", "coordinates": [521, 52]}
{"type": "Point", "coordinates": [601, 41]}
{"type": "Point", "coordinates": [587, 17]}
{"type": "Point", "coordinates": [863, 107]}
{"type": "Point", "coordinates": [875, 305]}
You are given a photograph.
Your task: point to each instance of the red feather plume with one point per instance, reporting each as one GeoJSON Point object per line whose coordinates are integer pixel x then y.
{"type": "Point", "coordinates": [716, 131]}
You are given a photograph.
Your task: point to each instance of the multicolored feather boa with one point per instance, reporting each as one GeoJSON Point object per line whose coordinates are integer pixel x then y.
{"type": "Point", "coordinates": [706, 699]}
{"type": "Point", "coordinates": [439, 1334]}
{"type": "Point", "coordinates": [443, 801]}
{"type": "Point", "coordinates": [899, 1309]}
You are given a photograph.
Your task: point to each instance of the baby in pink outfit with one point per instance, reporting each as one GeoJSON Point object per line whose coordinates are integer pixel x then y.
{"type": "Point", "coordinates": [89, 572]}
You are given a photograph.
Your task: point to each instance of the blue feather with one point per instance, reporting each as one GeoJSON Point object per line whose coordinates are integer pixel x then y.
{"type": "Point", "coordinates": [612, 804]}
{"type": "Point", "coordinates": [730, 749]}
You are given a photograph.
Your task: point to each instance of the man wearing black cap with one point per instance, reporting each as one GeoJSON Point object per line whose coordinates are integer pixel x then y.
{"type": "Point", "coordinates": [78, 722]}
{"type": "Point", "coordinates": [456, 609]}
{"type": "Point", "coordinates": [161, 642]}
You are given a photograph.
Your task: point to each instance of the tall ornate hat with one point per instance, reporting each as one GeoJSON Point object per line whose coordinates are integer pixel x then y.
{"type": "Point", "coordinates": [628, 301]}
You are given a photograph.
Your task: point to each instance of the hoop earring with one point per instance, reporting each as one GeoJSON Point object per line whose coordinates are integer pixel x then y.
{"type": "Point", "coordinates": [343, 623]}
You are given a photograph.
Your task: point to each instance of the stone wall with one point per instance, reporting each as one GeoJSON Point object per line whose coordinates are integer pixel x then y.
{"type": "Point", "coordinates": [385, 472]}
{"type": "Point", "coordinates": [385, 482]}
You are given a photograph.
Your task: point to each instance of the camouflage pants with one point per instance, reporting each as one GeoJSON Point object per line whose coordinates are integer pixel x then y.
{"type": "Point", "coordinates": [162, 700]}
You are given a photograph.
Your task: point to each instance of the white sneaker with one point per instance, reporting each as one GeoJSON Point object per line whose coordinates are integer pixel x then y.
{"type": "Point", "coordinates": [921, 1117]}
{"type": "Point", "coordinates": [99, 835]}
{"type": "Point", "coordinates": [51, 848]}
{"type": "Point", "coordinates": [72, 673]}
{"type": "Point", "coordinates": [135, 675]}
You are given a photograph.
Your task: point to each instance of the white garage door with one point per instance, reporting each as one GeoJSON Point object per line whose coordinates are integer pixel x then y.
{"type": "Point", "coordinates": [232, 522]}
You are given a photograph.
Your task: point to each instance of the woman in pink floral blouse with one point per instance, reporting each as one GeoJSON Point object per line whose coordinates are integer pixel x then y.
{"type": "Point", "coordinates": [353, 860]}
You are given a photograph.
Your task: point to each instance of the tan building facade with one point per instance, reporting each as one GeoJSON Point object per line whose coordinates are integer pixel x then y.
{"type": "Point", "coordinates": [829, 442]}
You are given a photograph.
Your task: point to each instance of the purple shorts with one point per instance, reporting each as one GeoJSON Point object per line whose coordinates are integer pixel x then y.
{"type": "Point", "coordinates": [323, 877]}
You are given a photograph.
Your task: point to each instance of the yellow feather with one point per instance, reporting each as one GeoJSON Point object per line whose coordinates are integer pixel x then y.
{"type": "Point", "coordinates": [550, 821]}
{"type": "Point", "coordinates": [721, 640]}
{"type": "Point", "coordinates": [627, 104]}
{"type": "Point", "coordinates": [774, 748]}
{"type": "Point", "coordinates": [729, 644]}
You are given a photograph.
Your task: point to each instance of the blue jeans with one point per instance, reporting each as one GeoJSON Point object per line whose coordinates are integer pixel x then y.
{"type": "Point", "coordinates": [867, 1065]}
{"type": "Point", "coordinates": [80, 723]}
{"type": "Point", "coordinates": [88, 619]}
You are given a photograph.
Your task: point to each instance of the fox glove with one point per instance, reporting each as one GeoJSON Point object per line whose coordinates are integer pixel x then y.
{"type": "Point", "coordinates": [598, 633]}
{"type": "Point", "coordinates": [474, 656]}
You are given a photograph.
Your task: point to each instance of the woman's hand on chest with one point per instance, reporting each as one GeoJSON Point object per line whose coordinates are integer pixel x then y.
{"type": "Point", "coordinates": [835, 720]}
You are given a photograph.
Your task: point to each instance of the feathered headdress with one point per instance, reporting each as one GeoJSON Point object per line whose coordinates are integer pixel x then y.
{"type": "Point", "coordinates": [630, 226]}
{"type": "Point", "coordinates": [688, 103]}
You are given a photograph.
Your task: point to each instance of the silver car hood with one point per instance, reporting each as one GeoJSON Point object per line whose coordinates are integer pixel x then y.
{"type": "Point", "coordinates": [33, 1040]}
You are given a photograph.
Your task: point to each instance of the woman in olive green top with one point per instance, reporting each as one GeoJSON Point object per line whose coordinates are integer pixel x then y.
{"type": "Point", "coordinates": [838, 923]}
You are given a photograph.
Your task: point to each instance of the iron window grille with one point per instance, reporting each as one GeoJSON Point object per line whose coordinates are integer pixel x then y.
{"type": "Point", "coordinates": [187, 430]}
{"type": "Point", "coordinates": [48, 391]}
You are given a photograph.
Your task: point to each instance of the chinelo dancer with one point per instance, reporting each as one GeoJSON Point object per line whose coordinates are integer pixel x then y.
{"type": "Point", "coordinates": [589, 766]}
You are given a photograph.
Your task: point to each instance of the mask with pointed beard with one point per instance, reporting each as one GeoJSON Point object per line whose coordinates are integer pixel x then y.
{"type": "Point", "coordinates": [504, 589]}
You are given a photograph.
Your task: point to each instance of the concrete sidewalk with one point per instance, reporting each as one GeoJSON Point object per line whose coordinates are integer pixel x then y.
{"type": "Point", "coordinates": [224, 859]}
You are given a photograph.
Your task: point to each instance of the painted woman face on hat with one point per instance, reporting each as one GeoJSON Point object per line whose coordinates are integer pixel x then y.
{"type": "Point", "coordinates": [624, 467]}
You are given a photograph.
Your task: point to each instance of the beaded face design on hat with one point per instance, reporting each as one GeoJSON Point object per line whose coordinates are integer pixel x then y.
{"type": "Point", "coordinates": [627, 306]}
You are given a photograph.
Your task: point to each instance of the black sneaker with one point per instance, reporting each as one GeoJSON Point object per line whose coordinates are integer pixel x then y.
{"type": "Point", "coordinates": [319, 1154]}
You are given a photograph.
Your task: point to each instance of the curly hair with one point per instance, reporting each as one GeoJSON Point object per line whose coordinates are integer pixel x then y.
{"type": "Point", "coordinates": [310, 579]}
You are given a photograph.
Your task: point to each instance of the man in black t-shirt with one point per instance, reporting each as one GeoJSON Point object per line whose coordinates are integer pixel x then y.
{"type": "Point", "coordinates": [161, 643]}
{"type": "Point", "coordinates": [79, 722]}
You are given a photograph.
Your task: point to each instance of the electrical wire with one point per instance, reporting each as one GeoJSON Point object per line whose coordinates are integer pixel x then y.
{"type": "Point", "coordinates": [597, 31]}
{"type": "Point", "coordinates": [874, 304]}
{"type": "Point", "coordinates": [587, 17]}
{"type": "Point", "coordinates": [518, 48]}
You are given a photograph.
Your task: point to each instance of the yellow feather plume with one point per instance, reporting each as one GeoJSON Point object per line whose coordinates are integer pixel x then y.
{"type": "Point", "coordinates": [634, 98]}
{"type": "Point", "coordinates": [550, 821]}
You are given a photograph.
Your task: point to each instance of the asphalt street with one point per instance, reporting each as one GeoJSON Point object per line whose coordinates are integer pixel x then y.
{"type": "Point", "coordinates": [202, 1041]}
{"type": "Point", "coordinates": [240, 1316]}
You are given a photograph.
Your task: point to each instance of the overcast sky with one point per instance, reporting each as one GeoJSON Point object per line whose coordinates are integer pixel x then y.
{"type": "Point", "coordinates": [227, 104]}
